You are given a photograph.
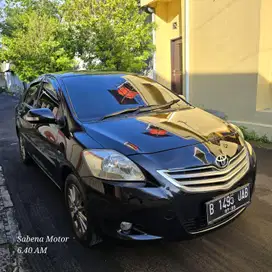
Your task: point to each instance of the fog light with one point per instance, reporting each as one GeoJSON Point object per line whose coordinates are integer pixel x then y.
{"type": "Point", "coordinates": [125, 226]}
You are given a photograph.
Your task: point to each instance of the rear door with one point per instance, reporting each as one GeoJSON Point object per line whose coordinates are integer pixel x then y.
{"type": "Point", "coordinates": [24, 126]}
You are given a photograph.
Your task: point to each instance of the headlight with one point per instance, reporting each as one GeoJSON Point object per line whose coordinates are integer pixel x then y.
{"type": "Point", "coordinates": [238, 130]}
{"type": "Point", "coordinates": [111, 165]}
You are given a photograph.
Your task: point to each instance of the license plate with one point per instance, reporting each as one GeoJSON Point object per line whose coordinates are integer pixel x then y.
{"type": "Point", "coordinates": [223, 205]}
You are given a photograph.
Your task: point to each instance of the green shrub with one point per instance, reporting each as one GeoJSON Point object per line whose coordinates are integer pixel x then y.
{"type": "Point", "coordinates": [251, 135]}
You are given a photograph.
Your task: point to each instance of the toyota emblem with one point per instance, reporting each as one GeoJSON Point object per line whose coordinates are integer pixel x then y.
{"type": "Point", "coordinates": [222, 161]}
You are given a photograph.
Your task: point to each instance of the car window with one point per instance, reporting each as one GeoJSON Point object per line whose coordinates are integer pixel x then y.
{"type": "Point", "coordinates": [48, 87]}
{"type": "Point", "coordinates": [60, 112]}
{"type": "Point", "coordinates": [94, 96]}
{"type": "Point", "coordinates": [47, 99]}
{"type": "Point", "coordinates": [32, 94]}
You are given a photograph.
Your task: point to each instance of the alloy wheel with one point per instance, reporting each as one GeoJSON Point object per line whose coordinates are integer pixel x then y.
{"type": "Point", "coordinates": [77, 209]}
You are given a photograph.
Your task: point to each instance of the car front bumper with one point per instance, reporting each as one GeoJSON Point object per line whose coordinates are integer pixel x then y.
{"type": "Point", "coordinates": [155, 212]}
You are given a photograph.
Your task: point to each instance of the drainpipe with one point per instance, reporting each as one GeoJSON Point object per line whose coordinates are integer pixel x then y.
{"type": "Point", "coordinates": [187, 47]}
{"type": "Point", "coordinates": [154, 42]}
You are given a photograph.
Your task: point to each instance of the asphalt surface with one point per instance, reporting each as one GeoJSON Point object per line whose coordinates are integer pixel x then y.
{"type": "Point", "coordinates": [244, 245]}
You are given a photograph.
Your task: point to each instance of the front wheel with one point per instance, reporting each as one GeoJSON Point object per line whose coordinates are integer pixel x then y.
{"type": "Point", "coordinates": [76, 203]}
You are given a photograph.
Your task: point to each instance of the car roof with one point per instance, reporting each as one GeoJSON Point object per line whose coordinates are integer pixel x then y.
{"type": "Point", "coordinates": [82, 73]}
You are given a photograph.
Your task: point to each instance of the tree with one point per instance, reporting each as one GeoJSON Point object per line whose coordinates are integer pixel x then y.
{"type": "Point", "coordinates": [109, 34]}
{"type": "Point", "coordinates": [11, 11]}
{"type": "Point", "coordinates": [34, 48]}
{"type": "Point", "coordinates": [41, 36]}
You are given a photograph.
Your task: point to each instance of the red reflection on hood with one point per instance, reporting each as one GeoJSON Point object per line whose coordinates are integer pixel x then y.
{"type": "Point", "coordinates": [127, 92]}
{"type": "Point", "coordinates": [157, 131]}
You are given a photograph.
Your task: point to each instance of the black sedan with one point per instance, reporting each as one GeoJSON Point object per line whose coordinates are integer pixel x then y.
{"type": "Point", "coordinates": [134, 160]}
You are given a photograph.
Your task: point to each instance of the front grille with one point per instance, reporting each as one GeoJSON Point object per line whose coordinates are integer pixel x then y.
{"type": "Point", "coordinates": [209, 178]}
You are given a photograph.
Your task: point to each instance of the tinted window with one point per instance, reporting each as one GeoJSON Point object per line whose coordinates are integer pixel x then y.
{"type": "Point", "coordinates": [94, 96]}
{"type": "Point", "coordinates": [59, 113]}
{"type": "Point", "coordinates": [47, 100]}
{"type": "Point", "coordinates": [48, 87]}
{"type": "Point", "coordinates": [32, 94]}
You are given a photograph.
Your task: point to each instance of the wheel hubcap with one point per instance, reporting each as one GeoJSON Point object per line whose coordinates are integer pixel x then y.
{"type": "Point", "coordinates": [77, 210]}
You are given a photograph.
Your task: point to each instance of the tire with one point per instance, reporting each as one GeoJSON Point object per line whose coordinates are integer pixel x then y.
{"type": "Point", "coordinates": [76, 203]}
{"type": "Point", "coordinates": [25, 157]}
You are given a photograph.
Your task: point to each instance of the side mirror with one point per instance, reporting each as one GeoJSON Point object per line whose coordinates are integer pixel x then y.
{"type": "Point", "coordinates": [43, 115]}
{"type": "Point", "coordinates": [182, 96]}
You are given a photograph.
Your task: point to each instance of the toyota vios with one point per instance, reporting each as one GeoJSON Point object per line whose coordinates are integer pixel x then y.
{"type": "Point", "coordinates": [134, 160]}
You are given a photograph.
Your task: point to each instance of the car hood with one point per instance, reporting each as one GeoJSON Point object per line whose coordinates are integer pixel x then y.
{"type": "Point", "coordinates": [156, 132]}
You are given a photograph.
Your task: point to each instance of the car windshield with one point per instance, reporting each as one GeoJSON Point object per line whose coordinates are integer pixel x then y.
{"type": "Point", "coordinates": [96, 96]}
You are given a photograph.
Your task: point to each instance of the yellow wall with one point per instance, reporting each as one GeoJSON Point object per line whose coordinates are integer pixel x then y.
{"type": "Point", "coordinates": [147, 2]}
{"type": "Point", "coordinates": [264, 93]}
{"type": "Point", "coordinates": [224, 41]}
{"type": "Point", "coordinates": [166, 14]}
{"type": "Point", "coordinates": [230, 60]}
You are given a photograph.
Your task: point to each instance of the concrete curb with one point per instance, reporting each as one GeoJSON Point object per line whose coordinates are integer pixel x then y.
{"type": "Point", "coordinates": [261, 145]}
{"type": "Point", "coordinates": [10, 260]}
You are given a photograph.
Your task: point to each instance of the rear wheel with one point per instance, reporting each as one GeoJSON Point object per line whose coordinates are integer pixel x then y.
{"type": "Point", "coordinates": [76, 203]}
{"type": "Point", "coordinates": [25, 157]}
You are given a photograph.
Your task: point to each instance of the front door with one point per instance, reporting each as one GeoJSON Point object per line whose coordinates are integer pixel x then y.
{"type": "Point", "coordinates": [46, 134]}
{"type": "Point", "coordinates": [176, 65]}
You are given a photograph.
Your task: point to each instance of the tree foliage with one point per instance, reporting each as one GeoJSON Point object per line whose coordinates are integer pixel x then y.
{"type": "Point", "coordinates": [41, 36]}
{"type": "Point", "coordinates": [109, 34]}
{"type": "Point", "coordinates": [34, 48]}
{"type": "Point", "coordinates": [30, 39]}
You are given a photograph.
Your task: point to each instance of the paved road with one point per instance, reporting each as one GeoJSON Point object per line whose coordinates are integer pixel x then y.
{"type": "Point", "coordinates": [244, 245]}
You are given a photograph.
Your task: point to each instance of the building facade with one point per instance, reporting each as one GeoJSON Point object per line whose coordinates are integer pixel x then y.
{"type": "Point", "coordinates": [218, 54]}
{"type": "Point", "coordinates": [9, 81]}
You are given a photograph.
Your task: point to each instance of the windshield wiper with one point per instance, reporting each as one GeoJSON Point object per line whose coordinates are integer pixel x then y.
{"type": "Point", "coordinates": [142, 108]}
{"type": "Point", "coordinates": [122, 112]}
{"type": "Point", "coordinates": [158, 107]}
